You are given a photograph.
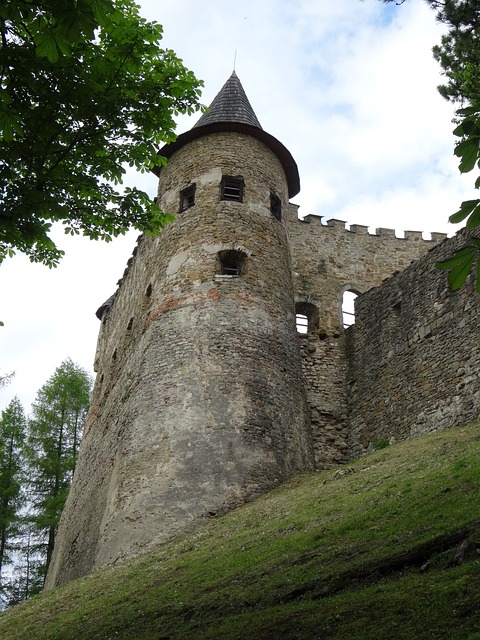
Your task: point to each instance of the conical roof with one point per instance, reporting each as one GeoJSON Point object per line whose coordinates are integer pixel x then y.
{"type": "Point", "coordinates": [232, 111]}
{"type": "Point", "coordinates": [230, 105]}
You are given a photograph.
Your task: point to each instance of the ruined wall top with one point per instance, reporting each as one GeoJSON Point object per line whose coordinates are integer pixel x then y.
{"type": "Point", "coordinates": [329, 259]}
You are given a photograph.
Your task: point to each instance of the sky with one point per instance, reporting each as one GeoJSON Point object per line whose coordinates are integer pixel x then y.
{"type": "Point", "coordinates": [348, 86]}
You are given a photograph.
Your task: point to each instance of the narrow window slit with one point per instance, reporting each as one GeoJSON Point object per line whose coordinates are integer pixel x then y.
{"type": "Point", "coordinates": [307, 318]}
{"type": "Point", "coordinates": [302, 323]}
{"type": "Point", "coordinates": [275, 206]}
{"type": "Point", "coordinates": [348, 309]}
{"type": "Point", "coordinates": [397, 310]}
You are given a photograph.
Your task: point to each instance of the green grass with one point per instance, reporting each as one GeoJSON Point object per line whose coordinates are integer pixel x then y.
{"type": "Point", "coordinates": [360, 552]}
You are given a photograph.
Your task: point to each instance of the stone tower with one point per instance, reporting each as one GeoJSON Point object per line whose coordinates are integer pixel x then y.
{"type": "Point", "coordinates": [199, 403]}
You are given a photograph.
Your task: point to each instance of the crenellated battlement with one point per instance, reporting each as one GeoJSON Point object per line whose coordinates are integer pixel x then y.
{"type": "Point", "coordinates": [363, 230]}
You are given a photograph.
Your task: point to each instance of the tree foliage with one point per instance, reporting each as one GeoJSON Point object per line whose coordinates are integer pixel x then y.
{"type": "Point", "coordinates": [27, 577]}
{"type": "Point", "coordinates": [459, 57]}
{"type": "Point", "coordinates": [55, 428]}
{"type": "Point", "coordinates": [85, 90]}
{"type": "Point", "coordinates": [12, 439]}
{"type": "Point", "coordinates": [5, 378]}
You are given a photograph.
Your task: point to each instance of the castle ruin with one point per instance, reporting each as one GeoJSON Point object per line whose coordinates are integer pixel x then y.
{"type": "Point", "coordinates": [208, 394]}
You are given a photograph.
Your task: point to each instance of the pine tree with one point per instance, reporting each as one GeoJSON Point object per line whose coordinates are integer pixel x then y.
{"type": "Point", "coordinates": [27, 576]}
{"type": "Point", "coordinates": [12, 439]}
{"type": "Point", "coordinates": [59, 413]}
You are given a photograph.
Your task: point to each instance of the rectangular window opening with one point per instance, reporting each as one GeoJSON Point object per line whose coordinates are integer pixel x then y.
{"type": "Point", "coordinates": [232, 189]}
{"type": "Point", "coordinates": [275, 206]}
{"type": "Point", "coordinates": [187, 197]}
{"type": "Point", "coordinates": [302, 323]}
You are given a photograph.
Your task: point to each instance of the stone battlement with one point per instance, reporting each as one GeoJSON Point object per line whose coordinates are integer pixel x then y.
{"type": "Point", "coordinates": [361, 229]}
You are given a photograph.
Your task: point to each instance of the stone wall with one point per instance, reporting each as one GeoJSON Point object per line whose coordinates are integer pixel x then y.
{"type": "Point", "coordinates": [415, 354]}
{"type": "Point", "coordinates": [327, 260]}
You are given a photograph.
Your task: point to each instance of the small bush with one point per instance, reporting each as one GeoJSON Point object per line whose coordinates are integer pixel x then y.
{"type": "Point", "coordinates": [380, 443]}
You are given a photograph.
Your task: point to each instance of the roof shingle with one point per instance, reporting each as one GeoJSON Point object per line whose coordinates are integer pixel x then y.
{"type": "Point", "coordinates": [230, 105]}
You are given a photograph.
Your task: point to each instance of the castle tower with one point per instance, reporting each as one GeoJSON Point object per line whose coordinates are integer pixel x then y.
{"type": "Point", "coordinates": [199, 403]}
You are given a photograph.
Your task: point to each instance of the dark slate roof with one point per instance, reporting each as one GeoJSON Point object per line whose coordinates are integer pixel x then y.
{"type": "Point", "coordinates": [105, 307]}
{"type": "Point", "coordinates": [230, 105]}
{"type": "Point", "coordinates": [231, 111]}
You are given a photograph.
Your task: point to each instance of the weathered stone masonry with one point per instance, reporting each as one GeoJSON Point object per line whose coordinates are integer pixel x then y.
{"type": "Point", "coordinates": [206, 395]}
{"type": "Point", "coordinates": [328, 260]}
{"type": "Point", "coordinates": [414, 355]}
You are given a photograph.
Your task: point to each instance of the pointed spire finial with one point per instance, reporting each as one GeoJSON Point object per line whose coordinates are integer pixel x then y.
{"type": "Point", "coordinates": [230, 105]}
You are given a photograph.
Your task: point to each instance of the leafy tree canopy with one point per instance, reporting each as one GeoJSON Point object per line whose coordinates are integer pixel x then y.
{"type": "Point", "coordinates": [459, 57]}
{"type": "Point", "coordinates": [85, 90]}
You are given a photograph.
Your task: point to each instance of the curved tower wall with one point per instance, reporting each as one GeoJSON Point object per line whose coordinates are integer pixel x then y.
{"type": "Point", "coordinates": [199, 403]}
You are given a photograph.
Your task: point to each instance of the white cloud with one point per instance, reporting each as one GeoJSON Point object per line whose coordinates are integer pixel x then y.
{"type": "Point", "coordinates": [348, 86]}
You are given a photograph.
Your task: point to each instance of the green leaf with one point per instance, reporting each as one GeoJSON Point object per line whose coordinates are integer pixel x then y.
{"type": "Point", "coordinates": [468, 151]}
{"type": "Point", "coordinates": [458, 258]}
{"type": "Point", "coordinates": [467, 128]}
{"type": "Point", "coordinates": [474, 218]}
{"type": "Point", "coordinates": [465, 209]}
{"type": "Point", "coordinates": [47, 46]}
{"type": "Point", "coordinates": [468, 111]}
{"type": "Point", "coordinates": [459, 266]}
{"type": "Point", "coordinates": [9, 124]}
{"type": "Point", "coordinates": [459, 274]}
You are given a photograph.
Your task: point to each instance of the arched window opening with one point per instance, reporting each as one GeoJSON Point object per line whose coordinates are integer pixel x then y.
{"type": "Point", "coordinates": [231, 262]}
{"type": "Point", "coordinates": [348, 308]}
{"type": "Point", "coordinates": [306, 317]}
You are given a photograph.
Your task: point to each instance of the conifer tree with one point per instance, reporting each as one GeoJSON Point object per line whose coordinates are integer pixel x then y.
{"type": "Point", "coordinates": [59, 413]}
{"type": "Point", "coordinates": [12, 438]}
{"type": "Point", "coordinates": [27, 576]}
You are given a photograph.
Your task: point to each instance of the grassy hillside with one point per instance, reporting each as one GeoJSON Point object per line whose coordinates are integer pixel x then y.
{"type": "Point", "coordinates": [388, 548]}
